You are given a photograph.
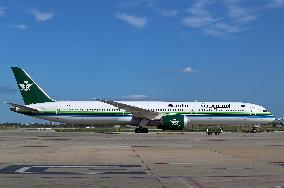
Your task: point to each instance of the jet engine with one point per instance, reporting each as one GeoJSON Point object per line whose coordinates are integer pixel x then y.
{"type": "Point", "coordinates": [173, 122]}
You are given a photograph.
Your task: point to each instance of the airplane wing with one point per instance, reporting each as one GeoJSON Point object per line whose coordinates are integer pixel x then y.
{"type": "Point", "coordinates": [136, 111]}
{"type": "Point", "coordinates": [19, 107]}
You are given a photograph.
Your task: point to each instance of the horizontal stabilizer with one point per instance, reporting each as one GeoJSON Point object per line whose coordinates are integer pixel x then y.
{"type": "Point", "coordinates": [21, 108]}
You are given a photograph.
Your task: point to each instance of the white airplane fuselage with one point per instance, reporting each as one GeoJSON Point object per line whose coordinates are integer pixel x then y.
{"type": "Point", "coordinates": [196, 113]}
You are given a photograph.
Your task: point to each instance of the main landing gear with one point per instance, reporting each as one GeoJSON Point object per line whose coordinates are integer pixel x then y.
{"type": "Point", "coordinates": [254, 130]}
{"type": "Point", "coordinates": [141, 130]}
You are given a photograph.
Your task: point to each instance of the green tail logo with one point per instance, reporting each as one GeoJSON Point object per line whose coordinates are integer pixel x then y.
{"type": "Point", "coordinates": [25, 86]}
{"type": "Point", "coordinates": [30, 91]}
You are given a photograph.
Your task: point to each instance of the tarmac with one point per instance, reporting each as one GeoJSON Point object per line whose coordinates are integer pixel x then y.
{"type": "Point", "coordinates": [191, 160]}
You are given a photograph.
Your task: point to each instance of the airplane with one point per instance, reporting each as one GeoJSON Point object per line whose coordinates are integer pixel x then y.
{"type": "Point", "coordinates": [163, 115]}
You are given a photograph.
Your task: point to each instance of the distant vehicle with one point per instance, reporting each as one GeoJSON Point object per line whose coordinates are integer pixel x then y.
{"type": "Point", "coordinates": [164, 115]}
{"type": "Point", "coordinates": [44, 129]}
{"type": "Point", "coordinates": [214, 130]}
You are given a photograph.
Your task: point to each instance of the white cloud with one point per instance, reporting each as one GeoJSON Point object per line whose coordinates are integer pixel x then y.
{"type": "Point", "coordinates": [151, 3]}
{"type": "Point", "coordinates": [200, 16]}
{"type": "Point", "coordinates": [2, 11]}
{"type": "Point", "coordinates": [169, 13]}
{"type": "Point", "coordinates": [135, 98]}
{"type": "Point", "coordinates": [138, 22]}
{"type": "Point", "coordinates": [235, 20]}
{"type": "Point", "coordinates": [275, 3]}
{"type": "Point", "coordinates": [199, 8]}
{"type": "Point", "coordinates": [130, 4]}
{"type": "Point", "coordinates": [189, 70]}
{"type": "Point", "coordinates": [239, 13]}
{"type": "Point", "coordinates": [222, 28]}
{"type": "Point", "coordinates": [19, 26]}
{"type": "Point", "coordinates": [41, 16]}
{"type": "Point", "coordinates": [197, 22]}
{"type": "Point", "coordinates": [213, 32]}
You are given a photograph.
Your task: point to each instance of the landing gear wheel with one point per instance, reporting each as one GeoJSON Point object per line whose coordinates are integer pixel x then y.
{"type": "Point", "coordinates": [141, 130]}
{"type": "Point", "coordinates": [144, 130]}
{"type": "Point", "coordinates": [137, 130]}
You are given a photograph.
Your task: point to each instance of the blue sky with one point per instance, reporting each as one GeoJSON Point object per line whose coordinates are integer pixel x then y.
{"type": "Point", "coordinates": [186, 50]}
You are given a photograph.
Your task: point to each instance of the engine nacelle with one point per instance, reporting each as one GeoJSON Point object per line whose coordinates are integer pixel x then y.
{"type": "Point", "coordinates": [173, 122]}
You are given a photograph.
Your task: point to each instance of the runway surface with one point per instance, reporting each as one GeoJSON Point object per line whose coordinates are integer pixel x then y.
{"type": "Point", "coordinates": [50, 159]}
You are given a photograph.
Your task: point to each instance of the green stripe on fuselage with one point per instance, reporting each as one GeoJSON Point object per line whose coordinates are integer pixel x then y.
{"type": "Point", "coordinates": [50, 112]}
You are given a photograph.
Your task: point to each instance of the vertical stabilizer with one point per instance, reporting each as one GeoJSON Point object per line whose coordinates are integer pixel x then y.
{"type": "Point", "coordinates": [30, 91]}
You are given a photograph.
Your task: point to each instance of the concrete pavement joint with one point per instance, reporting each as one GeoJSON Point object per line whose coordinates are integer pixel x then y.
{"type": "Point", "coordinates": [149, 169]}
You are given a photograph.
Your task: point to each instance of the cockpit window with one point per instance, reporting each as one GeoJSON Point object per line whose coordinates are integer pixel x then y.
{"type": "Point", "coordinates": [243, 105]}
{"type": "Point", "coordinates": [264, 110]}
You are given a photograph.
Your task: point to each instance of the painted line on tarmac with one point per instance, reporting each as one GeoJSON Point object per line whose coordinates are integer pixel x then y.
{"type": "Point", "coordinates": [100, 169]}
{"type": "Point", "coordinates": [23, 170]}
{"type": "Point", "coordinates": [106, 147]}
{"type": "Point", "coordinates": [181, 163]}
